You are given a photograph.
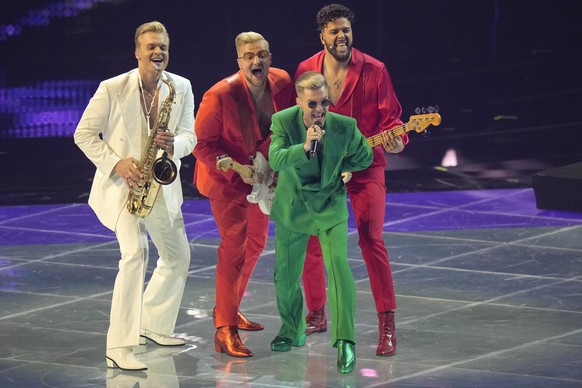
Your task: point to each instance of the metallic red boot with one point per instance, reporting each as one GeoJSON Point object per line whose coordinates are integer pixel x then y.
{"type": "Point", "coordinates": [316, 322]}
{"type": "Point", "coordinates": [387, 329]}
{"type": "Point", "coordinates": [245, 324]}
{"type": "Point", "coordinates": [227, 340]}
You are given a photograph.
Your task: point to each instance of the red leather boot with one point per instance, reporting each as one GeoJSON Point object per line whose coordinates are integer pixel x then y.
{"type": "Point", "coordinates": [316, 322]}
{"type": "Point", "coordinates": [387, 329]}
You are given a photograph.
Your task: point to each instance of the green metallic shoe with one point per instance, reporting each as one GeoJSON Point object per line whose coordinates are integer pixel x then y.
{"type": "Point", "coordinates": [346, 356]}
{"type": "Point", "coordinates": [282, 344]}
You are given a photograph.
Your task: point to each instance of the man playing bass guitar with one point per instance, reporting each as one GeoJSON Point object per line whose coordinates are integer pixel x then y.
{"type": "Point", "coordinates": [359, 87]}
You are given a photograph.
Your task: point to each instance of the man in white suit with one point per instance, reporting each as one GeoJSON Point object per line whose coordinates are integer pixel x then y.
{"type": "Point", "coordinates": [112, 133]}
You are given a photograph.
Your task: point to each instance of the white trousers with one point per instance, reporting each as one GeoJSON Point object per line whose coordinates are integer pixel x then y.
{"type": "Point", "coordinates": [157, 308]}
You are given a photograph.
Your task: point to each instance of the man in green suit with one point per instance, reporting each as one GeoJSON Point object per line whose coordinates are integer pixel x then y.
{"type": "Point", "coordinates": [310, 199]}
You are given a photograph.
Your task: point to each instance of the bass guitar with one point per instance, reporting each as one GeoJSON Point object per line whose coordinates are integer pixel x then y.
{"type": "Point", "coordinates": [417, 123]}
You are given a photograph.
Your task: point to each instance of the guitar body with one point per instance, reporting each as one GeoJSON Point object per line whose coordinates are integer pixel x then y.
{"type": "Point", "coordinates": [261, 193]}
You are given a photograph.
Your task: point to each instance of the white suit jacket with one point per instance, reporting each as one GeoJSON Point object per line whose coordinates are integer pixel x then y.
{"type": "Point", "coordinates": [110, 130]}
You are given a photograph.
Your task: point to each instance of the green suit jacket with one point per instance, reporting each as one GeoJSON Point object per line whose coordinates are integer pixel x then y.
{"type": "Point", "coordinates": [310, 193]}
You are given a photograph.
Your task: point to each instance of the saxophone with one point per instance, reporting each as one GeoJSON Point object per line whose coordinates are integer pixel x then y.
{"type": "Point", "coordinates": [155, 166]}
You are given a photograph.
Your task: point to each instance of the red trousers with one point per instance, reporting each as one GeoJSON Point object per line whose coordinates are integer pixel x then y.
{"type": "Point", "coordinates": [367, 192]}
{"type": "Point", "coordinates": [243, 231]}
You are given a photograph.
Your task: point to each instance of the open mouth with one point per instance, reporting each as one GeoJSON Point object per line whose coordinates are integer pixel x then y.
{"type": "Point", "coordinates": [257, 72]}
{"type": "Point", "coordinates": [342, 46]}
{"type": "Point", "coordinates": [318, 117]}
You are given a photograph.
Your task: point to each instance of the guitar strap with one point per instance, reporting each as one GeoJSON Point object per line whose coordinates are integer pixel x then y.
{"type": "Point", "coordinates": [245, 118]}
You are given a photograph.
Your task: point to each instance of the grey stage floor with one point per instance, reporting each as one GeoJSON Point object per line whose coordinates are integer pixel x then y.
{"type": "Point", "coordinates": [489, 291]}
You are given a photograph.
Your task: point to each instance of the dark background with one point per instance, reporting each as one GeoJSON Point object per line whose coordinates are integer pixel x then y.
{"type": "Point", "coordinates": [506, 75]}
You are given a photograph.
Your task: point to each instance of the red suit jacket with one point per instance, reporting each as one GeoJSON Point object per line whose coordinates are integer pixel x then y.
{"type": "Point", "coordinates": [368, 97]}
{"type": "Point", "coordinates": [219, 132]}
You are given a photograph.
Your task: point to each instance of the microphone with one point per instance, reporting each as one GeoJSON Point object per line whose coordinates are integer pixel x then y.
{"type": "Point", "coordinates": [314, 143]}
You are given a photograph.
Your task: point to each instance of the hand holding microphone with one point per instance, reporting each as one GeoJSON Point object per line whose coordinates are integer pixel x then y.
{"type": "Point", "coordinates": [314, 135]}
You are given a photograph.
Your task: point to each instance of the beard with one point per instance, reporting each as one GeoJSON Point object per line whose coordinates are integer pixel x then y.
{"type": "Point", "coordinates": [340, 57]}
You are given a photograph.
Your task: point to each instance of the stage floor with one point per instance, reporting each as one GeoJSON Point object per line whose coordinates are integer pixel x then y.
{"type": "Point", "coordinates": [489, 294]}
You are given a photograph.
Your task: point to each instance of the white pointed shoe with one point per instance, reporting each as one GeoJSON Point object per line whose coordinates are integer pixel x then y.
{"type": "Point", "coordinates": [124, 359]}
{"type": "Point", "coordinates": [159, 339]}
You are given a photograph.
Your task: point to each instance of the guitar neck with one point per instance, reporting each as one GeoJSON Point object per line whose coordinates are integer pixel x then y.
{"type": "Point", "coordinates": [245, 171]}
{"type": "Point", "coordinates": [375, 140]}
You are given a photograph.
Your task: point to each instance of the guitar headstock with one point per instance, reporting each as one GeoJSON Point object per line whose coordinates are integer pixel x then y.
{"type": "Point", "coordinates": [224, 163]}
{"type": "Point", "coordinates": [424, 118]}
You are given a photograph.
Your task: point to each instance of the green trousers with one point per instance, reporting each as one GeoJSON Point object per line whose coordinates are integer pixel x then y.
{"type": "Point", "coordinates": [289, 259]}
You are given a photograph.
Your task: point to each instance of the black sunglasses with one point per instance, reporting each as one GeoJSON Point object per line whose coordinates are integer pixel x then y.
{"type": "Point", "coordinates": [313, 104]}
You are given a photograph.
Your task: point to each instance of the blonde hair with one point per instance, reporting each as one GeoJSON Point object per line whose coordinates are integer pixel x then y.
{"type": "Point", "coordinates": [154, 26]}
{"type": "Point", "coordinates": [248, 37]}
{"type": "Point", "coordinates": [311, 80]}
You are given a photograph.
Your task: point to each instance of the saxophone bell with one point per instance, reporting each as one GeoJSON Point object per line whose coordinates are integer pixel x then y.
{"type": "Point", "coordinates": [164, 170]}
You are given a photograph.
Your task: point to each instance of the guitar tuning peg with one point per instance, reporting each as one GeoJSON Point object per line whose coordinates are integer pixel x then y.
{"type": "Point", "coordinates": [423, 110]}
{"type": "Point", "coordinates": [430, 109]}
{"type": "Point", "coordinates": [417, 111]}
{"type": "Point", "coordinates": [436, 109]}
{"type": "Point", "coordinates": [425, 133]}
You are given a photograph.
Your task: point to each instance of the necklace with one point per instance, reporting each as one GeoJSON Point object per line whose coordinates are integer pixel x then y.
{"type": "Point", "coordinates": [148, 112]}
{"type": "Point", "coordinates": [339, 81]}
{"type": "Point", "coordinates": [148, 93]}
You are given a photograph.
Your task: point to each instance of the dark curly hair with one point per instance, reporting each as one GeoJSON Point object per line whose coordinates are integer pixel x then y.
{"type": "Point", "coordinates": [331, 12]}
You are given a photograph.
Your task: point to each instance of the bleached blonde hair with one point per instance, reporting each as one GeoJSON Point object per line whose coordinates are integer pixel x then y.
{"type": "Point", "coordinates": [311, 80]}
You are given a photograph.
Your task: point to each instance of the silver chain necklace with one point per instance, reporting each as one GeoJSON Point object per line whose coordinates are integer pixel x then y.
{"type": "Point", "coordinates": [148, 112]}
